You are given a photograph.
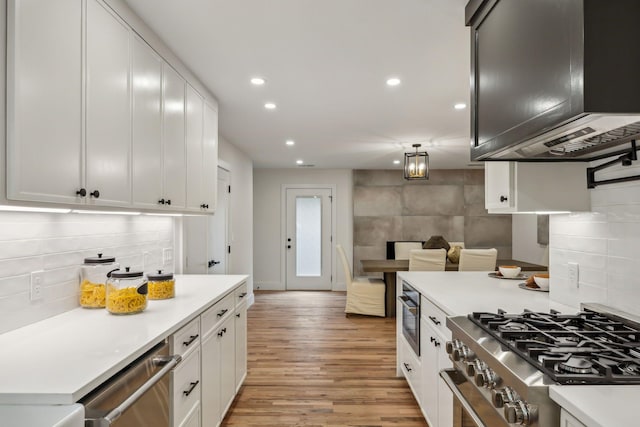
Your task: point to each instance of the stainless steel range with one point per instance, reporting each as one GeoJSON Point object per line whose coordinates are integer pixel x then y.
{"type": "Point", "coordinates": [504, 363]}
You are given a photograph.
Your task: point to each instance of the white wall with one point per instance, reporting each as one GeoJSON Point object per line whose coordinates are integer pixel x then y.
{"type": "Point", "coordinates": [604, 242]}
{"type": "Point", "coordinates": [241, 209]}
{"type": "Point", "coordinates": [267, 184]}
{"type": "Point", "coordinates": [58, 244]}
{"type": "Point", "coordinates": [525, 246]}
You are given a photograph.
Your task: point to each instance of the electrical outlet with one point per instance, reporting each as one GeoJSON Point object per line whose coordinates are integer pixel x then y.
{"type": "Point", "coordinates": [573, 274]}
{"type": "Point", "coordinates": [167, 256]}
{"type": "Point", "coordinates": [37, 280]}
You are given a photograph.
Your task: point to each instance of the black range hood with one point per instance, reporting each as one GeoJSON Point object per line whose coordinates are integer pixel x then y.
{"type": "Point", "coordinates": [554, 79]}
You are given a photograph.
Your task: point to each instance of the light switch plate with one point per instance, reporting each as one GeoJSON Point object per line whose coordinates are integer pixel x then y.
{"type": "Point", "coordinates": [167, 256]}
{"type": "Point", "coordinates": [573, 274]}
{"type": "Point", "coordinates": [35, 289]}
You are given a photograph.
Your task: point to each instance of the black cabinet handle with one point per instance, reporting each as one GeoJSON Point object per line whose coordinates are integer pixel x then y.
{"type": "Point", "coordinates": [503, 198]}
{"type": "Point", "coordinates": [434, 320]}
{"type": "Point", "coordinates": [168, 201]}
{"type": "Point", "coordinates": [81, 192]}
{"type": "Point", "coordinates": [222, 312]}
{"type": "Point", "coordinates": [204, 206]}
{"type": "Point", "coordinates": [95, 193]}
{"type": "Point", "coordinates": [407, 367]}
{"type": "Point", "coordinates": [161, 202]}
{"type": "Point", "coordinates": [191, 387]}
{"type": "Point", "coordinates": [222, 332]}
{"type": "Point", "coordinates": [192, 338]}
{"type": "Point", "coordinates": [435, 342]}
{"type": "Point", "coordinates": [242, 295]}
{"type": "Point", "coordinates": [238, 315]}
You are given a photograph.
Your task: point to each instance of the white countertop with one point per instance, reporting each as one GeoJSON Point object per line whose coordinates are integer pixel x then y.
{"type": "Point", "coordinates": [599, 405]}
{"type": "Point", "coordinates": [42, 416]}
{"type": "Point", "coordinates": [461, 293]}
{"type": "Point", "coordinates": [59, 360]}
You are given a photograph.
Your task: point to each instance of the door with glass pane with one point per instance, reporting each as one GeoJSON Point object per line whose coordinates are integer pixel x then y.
{"type": "Point", "coordinates": [308, 239]}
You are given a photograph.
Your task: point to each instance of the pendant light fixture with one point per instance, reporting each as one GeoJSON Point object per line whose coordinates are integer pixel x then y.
{"type": "Point", "coordinates": [416, 165]}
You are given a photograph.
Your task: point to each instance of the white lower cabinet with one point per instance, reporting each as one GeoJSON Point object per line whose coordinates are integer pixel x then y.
{"type": "Point", "coordinates": [193, 418]}
{"type": "Point", "coordinates": [568, 420]}
{"type": "Point", "coordinates": [411, 368]}
{"type": "Point", "coordinates": [241, 344]}
{"type": "Point", "coordinates": [185, 387]}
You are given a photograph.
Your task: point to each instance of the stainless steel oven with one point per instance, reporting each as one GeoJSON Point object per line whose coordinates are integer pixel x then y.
{"type": "Point", "coordinates": [136, 396]}
{"type": "Point", "coordinates": [410, 299]}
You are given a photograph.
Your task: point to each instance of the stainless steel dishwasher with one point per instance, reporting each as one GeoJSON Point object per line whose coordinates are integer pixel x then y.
{"type": "Point", "coordinates": [137, 396]}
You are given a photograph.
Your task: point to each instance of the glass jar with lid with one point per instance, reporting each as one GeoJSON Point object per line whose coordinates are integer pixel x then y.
{"type": "Point", "coordinates": [161, 285]}
{"type": "Point", "coordinates": [126, 292]}
{"type": "Point", "coordinates": [93, 277]}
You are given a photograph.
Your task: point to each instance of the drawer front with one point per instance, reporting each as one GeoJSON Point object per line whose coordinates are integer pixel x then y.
{"type": "Point", "coordinates": [193, 418]}
{"type": "Point", "coordinates": [412, 369]}
{"type": "Point", "coordinates": [215, 314]}
{"type": "Point", "coordinates": [241, 294]}
{"type": "Point", "coordinates": [434, 316]}
{"type": "Point", "coordinates": [186, 339]}
{"type": "Point", "coordinates": [186, 386]}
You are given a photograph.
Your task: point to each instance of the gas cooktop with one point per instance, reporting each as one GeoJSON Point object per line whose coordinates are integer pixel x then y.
{"type": "Point", "coordinates": [584, 348]}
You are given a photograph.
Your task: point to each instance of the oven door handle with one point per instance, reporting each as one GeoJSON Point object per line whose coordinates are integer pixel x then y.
{"type": "Point", "coordinates": [446, 375]}
{"type": "Point", "coordinates": [412, 308]}
{"type": "Point", "coordinates": [167, 363]}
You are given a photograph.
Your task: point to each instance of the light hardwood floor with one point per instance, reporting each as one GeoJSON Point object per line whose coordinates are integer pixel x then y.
{"type": "Point", "coordinates": [309, 365]}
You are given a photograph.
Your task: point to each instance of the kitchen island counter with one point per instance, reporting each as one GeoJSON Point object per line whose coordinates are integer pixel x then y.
{"type": "Point", "coordinates": [59, 360]}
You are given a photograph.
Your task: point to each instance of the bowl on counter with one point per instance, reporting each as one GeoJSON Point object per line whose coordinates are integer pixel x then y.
{"type": "Point", "coordinates": [509, 271]}
{"type": "Point", "coordinates": [542, 280]}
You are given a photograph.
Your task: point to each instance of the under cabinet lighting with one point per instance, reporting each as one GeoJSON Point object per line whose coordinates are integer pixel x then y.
{"type": "Point", "coordinates": [290, 143]}
{"type": "Point", "coordinates": [270, 106]}
{"type": "Point", "coordinates": [393, 81]}
{"type": "Point", "coordinates": [396, 162]}
{"type": "Point", "coordinates": [258, 81]}
{"type": "Point", "coordinates": [81, 211]}
{"type": "Point", "coordinates": [460, 106]}
{"type": "Point", "coordinates": [10, 208]}
{"type": "Point", "coordinates": [164, 214]}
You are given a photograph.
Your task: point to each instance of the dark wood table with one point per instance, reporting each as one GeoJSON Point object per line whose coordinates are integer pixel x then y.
{"type": "Point", "coordinates": [391, 266]}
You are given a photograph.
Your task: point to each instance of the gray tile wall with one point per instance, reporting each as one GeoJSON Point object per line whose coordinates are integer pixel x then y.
{"type": "Point", "coordinates": [450, 203]}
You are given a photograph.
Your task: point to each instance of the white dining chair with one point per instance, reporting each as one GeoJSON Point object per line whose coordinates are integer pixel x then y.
{"type": "Point", "coordinates": [427, 259]}
{"type": "Point", "coordinates": [402, 249]}
{"type": "Point", "coordinates": [365, 295]}
{"type": "Point", "coordinates": [478, 259]}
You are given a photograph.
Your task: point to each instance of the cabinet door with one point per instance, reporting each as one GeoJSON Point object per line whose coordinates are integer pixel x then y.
{"type": "Point", "coordinates": [211, 412]}
{"type": "Point", "coordinates": [430, 377]}
{"type": "Point", "coordinates": [241, 344]}
{"type": "Point", "coordinates": [44, 111]}
{"type": "Point", "coordinates": [499, 185]}
{"type": "Point", "coordinates": [228, 367]}
{"type": "Point", "coordinates": [147, 125]}
{"type": "Point", "coordinates": [445, 397]}
{"type": "Point", "coordinates": [568, 420]}
{"type": "Point", "coordinates": [195, 160]}
{"type": "Point", "coordinates": [210, 157]}
{"type": "Point", "coordinates": [173, 145]}
{"type": "Point", "coordinates": [193, 418]}
{"type": "Point", "coordinates": [108, 108]}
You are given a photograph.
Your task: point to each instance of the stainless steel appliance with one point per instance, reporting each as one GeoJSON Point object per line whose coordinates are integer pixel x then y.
{"type": "Point", "coordinates": [410, 299]}
{"type": "Point", "coordinates": [504, 363]}
{"type": "Point", "coordinates": [136, 396]}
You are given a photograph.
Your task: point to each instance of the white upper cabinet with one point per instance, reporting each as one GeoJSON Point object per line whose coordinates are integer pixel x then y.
{"type": "Point", "coordinates": [108, 108]}
{"type": "Point", "coordinates": [173, 139]}
{"type": "Point", "coordinates": [44, 87]}
{"type": "Point", "coordinates": [528, 187]}
{"type": "Point", "coordinates": [210, 158]}
{"type": "Point", "coordinates": [195, 124]}
{"type": "Point", "coordinates": [147, 125]}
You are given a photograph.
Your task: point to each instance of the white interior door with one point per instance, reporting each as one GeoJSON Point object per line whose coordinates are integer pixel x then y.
{"type": "Point", "coordinates": [219, 225]}
{"type": "Point", "coordinates": [308, 238]}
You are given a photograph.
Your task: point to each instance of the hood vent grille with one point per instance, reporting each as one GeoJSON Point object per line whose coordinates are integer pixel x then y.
{"type": "Point", "coordinates": [568, 144]}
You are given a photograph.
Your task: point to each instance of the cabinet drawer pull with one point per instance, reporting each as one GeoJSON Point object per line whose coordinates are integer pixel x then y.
{"type": "Point", "coordinates": [407, 367]}
{"type": "Point", "coordinates": [238, 315]}
{"type": "Point", "coordinates": [435, 342]}
{"type": "Point", "coordinates": [222, 332]}
{"type": "Point", "coordinates": [191, 387]}
{"type": "Point", "coordinates": [192, 338]}
{"type": "Point", "coordinates": [242, 295]}
{"type": "Point", "coordinates": [503, 199]}
{"type": "Point", "coordinates": [222, 312]}
{"type": "Point", "coordinates": [434, 320]}
{"type": "Point", "coordinates": [161, 202]}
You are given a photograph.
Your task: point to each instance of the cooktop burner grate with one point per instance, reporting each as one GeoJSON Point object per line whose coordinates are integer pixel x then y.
{"type": "Point", "coordinates": [583, 348]}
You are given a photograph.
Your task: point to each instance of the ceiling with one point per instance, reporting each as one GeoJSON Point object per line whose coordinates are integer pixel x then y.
{"type": "Point", "coordinates": [326, 63]}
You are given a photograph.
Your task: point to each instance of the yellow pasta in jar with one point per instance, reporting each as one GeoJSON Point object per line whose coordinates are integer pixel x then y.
{"type": "Point", "coordinates": [162, 289]}
{"type": "Point", "coordinates": [125, 300]}
{"type": "Point", "coordinates": [92, 295]}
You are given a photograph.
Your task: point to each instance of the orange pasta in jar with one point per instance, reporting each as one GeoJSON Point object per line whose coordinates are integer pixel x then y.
{"type": "Point", "coordinates": [92, 295]}
{"type": "Point", "coordinates": [126, 292]}
{"type": "Point", "coordinates": [93, 276]}
{"type": "Point", "coordinates": [161, 285]}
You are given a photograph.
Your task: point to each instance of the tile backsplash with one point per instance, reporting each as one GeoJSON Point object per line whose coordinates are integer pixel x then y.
{"type": "Point", "coordinates": [604, 242]}
{"type": "Point", "coordinates": [58, 244]}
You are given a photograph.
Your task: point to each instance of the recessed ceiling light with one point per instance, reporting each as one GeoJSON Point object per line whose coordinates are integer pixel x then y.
{"type": "Point", "coordinates": [396, 162]}
{"type": "Point", "coordinates": [258, 81]}
{"type": "Point", "coordinates": [460, 106]}
{"type": "Point", "coordinates": [270, 106]}
{"type": "Point", "coordinates": [299, 162]}
{"type": "Point", "coordinates": [290, 142]}
{"type": "Point", "coordinates": [394, 81]}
